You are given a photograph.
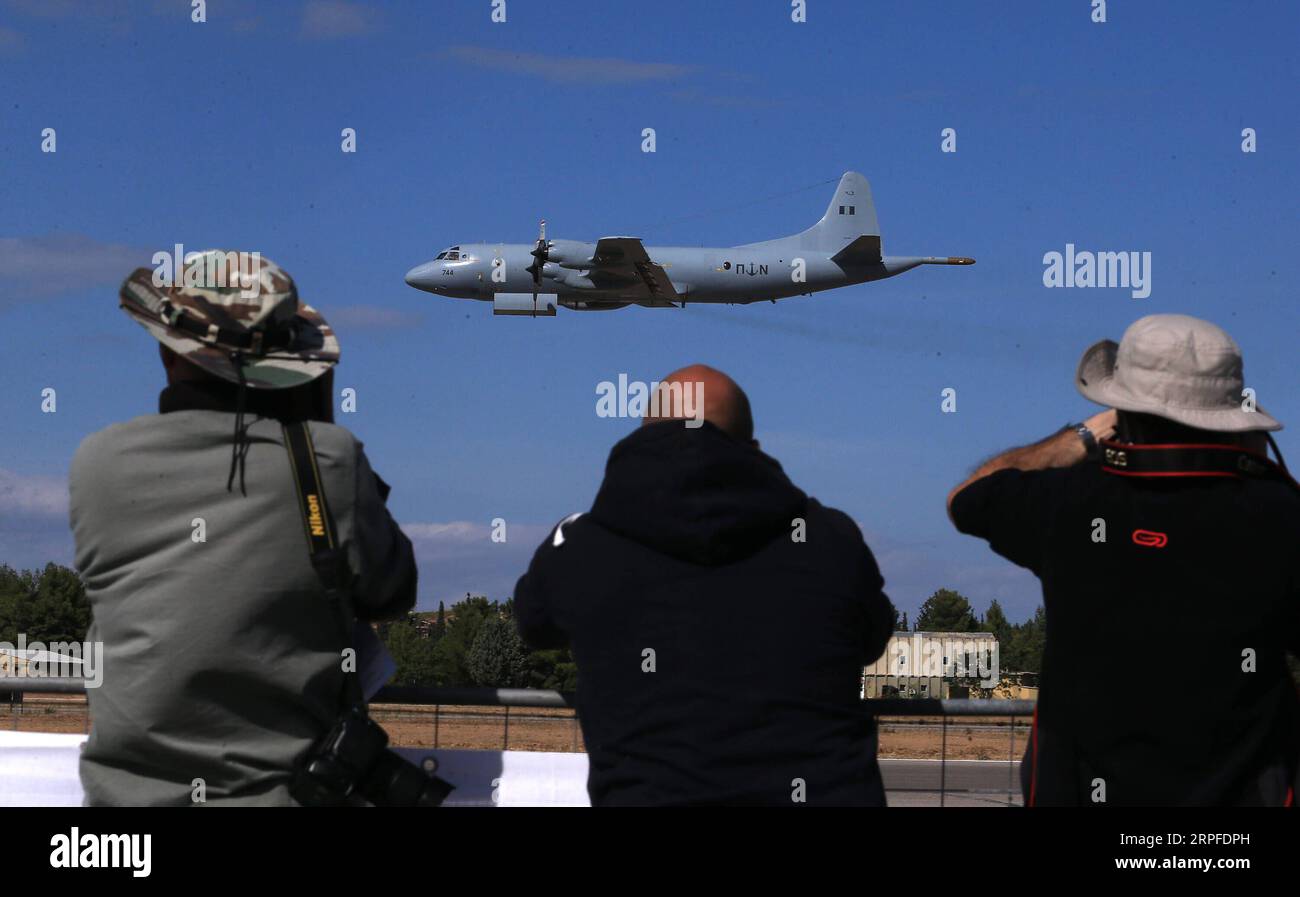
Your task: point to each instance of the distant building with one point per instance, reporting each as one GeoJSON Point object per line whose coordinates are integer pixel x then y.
{"type": "Point", "coordinates": [933, 665]}
{"type": "Point", "coordinates": [28, 662]}
{"type": "Point", "coordinates": [425, 624]}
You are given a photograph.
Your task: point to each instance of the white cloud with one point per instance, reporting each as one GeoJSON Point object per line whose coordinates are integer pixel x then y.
{"type": "Point", "coordinates": [329, 19]}
{"type": "Point", "coordinates": [33, 520]}
{"type": "Point", "coordinates": [568, 69]}
{"type": "Point", "coordinates": [457, 532]}
{"type": "Point", "coordinates": [463, 538]}
{"type": "Point", "coordinates": [373, 317]}
{"type": "Point", "coordinates": [458, 557]}
{"type": "Point", "coordinates": [41, 496]}
{"type": "Point", "coordinates": [58, 263]}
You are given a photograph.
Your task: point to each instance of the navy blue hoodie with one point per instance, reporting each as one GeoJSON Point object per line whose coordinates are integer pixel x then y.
{"type": "Point", "coordinates": [720, 620]}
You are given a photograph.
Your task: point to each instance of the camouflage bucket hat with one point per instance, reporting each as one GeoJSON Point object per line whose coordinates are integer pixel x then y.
{"type": "Point", "coordinates": [228, 307]}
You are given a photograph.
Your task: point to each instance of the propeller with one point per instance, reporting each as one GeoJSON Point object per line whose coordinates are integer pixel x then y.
{"type": "Point", "coordinates": [540, 256]}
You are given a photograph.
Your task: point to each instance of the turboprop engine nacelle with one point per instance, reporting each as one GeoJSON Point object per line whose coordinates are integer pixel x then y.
{"type": "Point", "coordinates": [573, 278]}
{"type": "Point", "coordinates": [570, 254]}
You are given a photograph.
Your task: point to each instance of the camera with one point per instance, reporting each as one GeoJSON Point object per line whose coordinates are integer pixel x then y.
{"type": "Point", "coordinates": [351, 764]}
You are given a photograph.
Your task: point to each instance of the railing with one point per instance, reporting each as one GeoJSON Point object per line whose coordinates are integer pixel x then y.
{"type": "Point", "coordinates": [915, 710]}
{"type": "Point", "coordinates": [537, 697]}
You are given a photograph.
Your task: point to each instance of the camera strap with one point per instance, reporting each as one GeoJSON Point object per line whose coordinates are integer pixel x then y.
{"type": "Point", "coordinates": [322, 540]}
{"type": "Point", "coordinates": [355, 733]}
{"type": "Point", "coordinates": [1190, 460]}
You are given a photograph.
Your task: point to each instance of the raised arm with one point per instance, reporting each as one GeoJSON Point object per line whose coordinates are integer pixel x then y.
{"type": "Point", "coordinates": [1063, 448]}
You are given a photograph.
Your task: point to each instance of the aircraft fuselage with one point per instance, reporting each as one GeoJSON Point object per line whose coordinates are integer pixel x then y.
{"type": "Point", "coordinates": [735, 275]}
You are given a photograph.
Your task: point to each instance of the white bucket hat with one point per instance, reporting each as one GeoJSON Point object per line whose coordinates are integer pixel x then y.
{"type": "Point", "coordinates": [1176, 367]}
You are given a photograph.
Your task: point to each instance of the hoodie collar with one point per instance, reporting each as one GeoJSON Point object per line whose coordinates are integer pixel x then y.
{"type": "Point", "coordinates": [695, 493]}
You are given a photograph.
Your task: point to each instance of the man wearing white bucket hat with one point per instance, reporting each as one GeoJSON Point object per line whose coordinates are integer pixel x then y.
{"type": "Point", "coordinates": [227, 545]}
{"type": "Point", "coordinates": [1166, 542]}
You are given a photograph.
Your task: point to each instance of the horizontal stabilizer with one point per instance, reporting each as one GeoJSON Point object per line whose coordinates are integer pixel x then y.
{"type": "Point", "coordinates": [864, 250]}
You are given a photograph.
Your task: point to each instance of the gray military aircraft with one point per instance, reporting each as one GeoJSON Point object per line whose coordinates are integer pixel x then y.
{"type": "Point", "coordinates": [533, 279]}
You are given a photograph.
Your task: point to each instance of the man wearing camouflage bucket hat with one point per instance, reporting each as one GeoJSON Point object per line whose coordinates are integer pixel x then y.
{"type": "Point", "coordinates": [1165, 540]}
{"type": "Point", "coordinates": [222, 655]}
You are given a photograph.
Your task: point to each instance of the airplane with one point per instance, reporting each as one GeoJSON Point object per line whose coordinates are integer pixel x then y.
{"type": "Point", "coordinates": [841, 249]}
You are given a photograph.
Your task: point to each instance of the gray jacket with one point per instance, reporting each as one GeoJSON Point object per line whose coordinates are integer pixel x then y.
{"type": "Point", "coordinates": [221, 656]}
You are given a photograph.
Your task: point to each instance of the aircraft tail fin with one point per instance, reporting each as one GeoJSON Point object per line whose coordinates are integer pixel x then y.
{"type": "Point", "coordinates": [850, 216]}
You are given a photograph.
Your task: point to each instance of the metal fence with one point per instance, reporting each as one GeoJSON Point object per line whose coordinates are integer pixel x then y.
{"type": "Point", "coordinates": [485, 708]}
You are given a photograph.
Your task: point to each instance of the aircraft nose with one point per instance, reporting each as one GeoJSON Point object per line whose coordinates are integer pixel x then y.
{"type": "Point", "coordinates": [421, 276]}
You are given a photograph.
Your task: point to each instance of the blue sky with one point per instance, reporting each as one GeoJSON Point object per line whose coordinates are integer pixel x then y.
{"type": "Point", "coordinates": [1121, 136]}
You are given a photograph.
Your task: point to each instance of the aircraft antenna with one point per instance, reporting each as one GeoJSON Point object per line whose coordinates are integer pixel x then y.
{"type": "Point", "coordinates": [752, 202]}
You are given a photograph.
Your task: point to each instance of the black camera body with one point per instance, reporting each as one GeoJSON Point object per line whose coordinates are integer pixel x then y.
{"type": "Point", "coordinates": [351, 764]}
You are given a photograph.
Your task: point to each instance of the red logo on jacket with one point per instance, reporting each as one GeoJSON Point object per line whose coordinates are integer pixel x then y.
{"type": "Point", "coordinates": [1150, 538]}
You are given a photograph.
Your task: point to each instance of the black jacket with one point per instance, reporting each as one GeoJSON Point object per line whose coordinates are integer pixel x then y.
{"type": "Point", "coordinates": [719, 659]}
{"type": "Point", "coordinates": [1164, 676]}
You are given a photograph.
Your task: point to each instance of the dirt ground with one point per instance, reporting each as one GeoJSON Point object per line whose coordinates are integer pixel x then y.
{"type": "Point", "coordinates": [541, 729]}
{"type": "Point", "coordinates": [46, 713]}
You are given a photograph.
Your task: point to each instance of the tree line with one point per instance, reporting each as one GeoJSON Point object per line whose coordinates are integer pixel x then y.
{"type": "Point", "coordinates": [48, 605]}
{"type": "Point", "coordinates": [474, 642]}
{"type": "Point", "coordinates": [1020, 645]}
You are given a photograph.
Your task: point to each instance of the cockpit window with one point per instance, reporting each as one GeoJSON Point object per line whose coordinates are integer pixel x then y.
{"type": "Point", "coordinates": [454, 255]}
{"type": "Point", "coordinates": [441, 255]}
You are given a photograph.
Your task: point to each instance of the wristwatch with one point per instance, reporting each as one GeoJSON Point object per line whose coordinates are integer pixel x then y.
{"type": "Point", "coordinates": [1089, 440]}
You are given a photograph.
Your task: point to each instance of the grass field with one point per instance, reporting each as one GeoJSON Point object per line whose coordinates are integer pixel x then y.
{"type": "Point", "coordinates": [542, 729]}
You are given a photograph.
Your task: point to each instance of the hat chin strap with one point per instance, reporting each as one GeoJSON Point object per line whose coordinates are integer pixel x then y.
{"type": "Point", "coordinates": [239, 445]}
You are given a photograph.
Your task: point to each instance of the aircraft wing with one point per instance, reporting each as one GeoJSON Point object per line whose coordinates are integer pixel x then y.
{"type": "Point", "coordinates": [624, 258]}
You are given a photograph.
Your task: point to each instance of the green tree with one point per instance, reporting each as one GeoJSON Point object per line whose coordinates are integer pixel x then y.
{"type": "Point", "coordinates": [946, 611]}
{"type": "Point", "coordinates": [497, 658]}
{"type": "Point", "coordinates": [552, 668]}
{"type": "Point", "coordinates": [451, 652]}
{"type": "Point", "coordinates": [414, 655]}
{"type": "Point", "coordinates": [15, 592]}
{"type": "Point", "coordinates": [1035, 639]}
{"type": "Point", "coordinates": [996, 622]}
{"type": "Point", "coordinates": [1024, 653]}
{"type": "Point", "coordinates": [48, 605]}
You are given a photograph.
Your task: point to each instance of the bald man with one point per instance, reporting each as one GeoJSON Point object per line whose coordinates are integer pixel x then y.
{"type": "Point", "coordinates": [719, 617]}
